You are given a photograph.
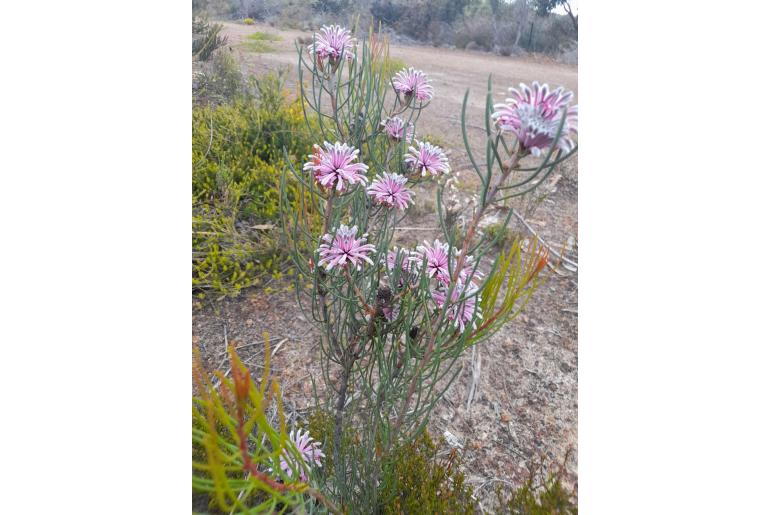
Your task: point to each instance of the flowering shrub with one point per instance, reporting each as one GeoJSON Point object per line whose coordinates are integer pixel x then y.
{"type": "Point", "coordinates": [394, 321]}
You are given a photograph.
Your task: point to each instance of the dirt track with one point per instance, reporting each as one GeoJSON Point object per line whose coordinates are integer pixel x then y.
{"type": "Point", "coordinates": [451, 72]}
{"type": "Point", "coordinates": [525, 408]}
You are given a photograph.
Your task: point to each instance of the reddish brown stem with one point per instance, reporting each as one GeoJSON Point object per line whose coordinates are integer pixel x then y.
{"type": "Point", "coordinates": [250, 467]}
{"type": "Point", "coordinates": [509, 166]}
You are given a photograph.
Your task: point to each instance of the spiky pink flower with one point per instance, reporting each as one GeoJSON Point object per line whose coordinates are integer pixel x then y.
{"type": "Point", "coordinates": [332, 42]}
{"type": "Point", "coordinates": [534, 114]}
{"type": "Point", "coordinates": [410, 82]}
{"type": "Point", "coordinates": [436, 259]}
{"type": "Point", "coordinates": [396, 128]}
{"type": "Point", "coordinates": [398, 256]}
{"type": "Point", "coordinates": [308, 449]}
{"type": "Point", "coordinates": [391, 312]}
{"type": "Point", "coordinates": [462, 313]}
{"type": "Point", "coordinates": [467, 273]}
{"type": "Point", "coordinates": [406, 261]}
{"type": "Point", "coordinates": [333, 166]}
{"type": "Point", "coordinates": [344, 247]}
{"type": "Point", "coordinates": [390, 189]}
{"type": "Point", "coordinates": [427, 159]}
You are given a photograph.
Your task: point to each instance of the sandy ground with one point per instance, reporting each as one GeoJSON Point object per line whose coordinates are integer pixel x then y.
{"type": "Point", "coordinates": [525, 407]}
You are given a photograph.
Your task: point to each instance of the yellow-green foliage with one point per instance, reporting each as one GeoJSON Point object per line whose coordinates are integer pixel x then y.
{"type": "Point", "coordinates": [435, 140]}
{"type": "Point", "coordinates": [500, 234]}
{"type": "Point", "coordinates": [393, 65]}
{"type": "Point", "coordinates": [260, 42]}
{"type": "Point", "coordinates": [416, 481]}
{"type": "Point", "coordinates": [237, 160]}
{"type": "Point", "coordinates": [248, 21]}
{"type": "Point", "coordinates": [236, 446]}
{"type": "Point", "coordinates": [550, 499]}
{"type": "Point", "coordinates": [511, 285]}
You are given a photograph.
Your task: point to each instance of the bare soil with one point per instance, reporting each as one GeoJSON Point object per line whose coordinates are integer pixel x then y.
{"type": "Point", "coordinates": [525, 407]}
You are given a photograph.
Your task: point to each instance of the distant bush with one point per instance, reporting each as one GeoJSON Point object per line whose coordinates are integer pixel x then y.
{"type": "Point", "coordinates": [220, 80]}
{"type": "Point", "coordinates": [237, 159]}
{"type": "Point", "coordinates": [295, 14]}
{"type": "Point", "coordinates": [248, 21]}
{"type": "Point", "coordinates": [386, 12]}
{"type": "Point", "coordinates": [500, 234]}
{"type": "Point", "coordinates": [331, 6]}
{"type": "Point", "coordinates": [476, 30]}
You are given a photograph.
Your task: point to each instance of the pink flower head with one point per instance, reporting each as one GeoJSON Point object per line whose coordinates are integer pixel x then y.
{"type": "Point", "coordinates": [462, 313]}
{"type": "Point", "coordinates": [398, 256]}
{"type": "Point", "coordinates": [436, 258]}
{"type": "Point", "coordinates": [309, 449]}
{"type": "Point", "coordinates": [404, 259]}
{"type": "Point", "coordinates": [467, 272]}
{"type": "Point", "coordinates": [391, 312]}
{"type": "Point", "coordinates": [396, 128]}
{"type": "Point", "coordinates": [427, 159]}
{"type": "Point", "coordinates": [333, 166]}
{"type": "Point", "coordinates": [390, 189]}
{"type": "Point", "coordinates": [333, 42]}
{"type": "Point", "coordinates": [344, 247]}
{"type": "Point", "coordinates": [413, 82]}
{"type": "Point", "coordinates": [534, 114]}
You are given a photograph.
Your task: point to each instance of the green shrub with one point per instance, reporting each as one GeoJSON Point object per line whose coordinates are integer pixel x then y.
{"type": "Point", "coordinates": [414, 479]}
{"type": "Point", "coordinates": [237, 160]}
{"type": "Point", "coordinates": [500, 233]}
{"type": "Point", "coordinates": [220, 80]}
{"type": "Point", "coordinates": [550, 499]}
{"type": "Point", "coordinates": [260, 42]}
{"type": "Point", "coordinates": [248, 21]}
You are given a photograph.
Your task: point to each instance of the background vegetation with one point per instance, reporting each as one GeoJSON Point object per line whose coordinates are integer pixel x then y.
{"type": "Point", "coordinates": [501, 26]}
{"type": "Point", "coordinates": [239, 131]}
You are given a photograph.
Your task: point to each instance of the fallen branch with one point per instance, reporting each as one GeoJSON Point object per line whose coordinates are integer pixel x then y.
{"type": "Point", "coordinates": [278, 347]}
{"type": "Point", "coordinates": [541, 240]}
